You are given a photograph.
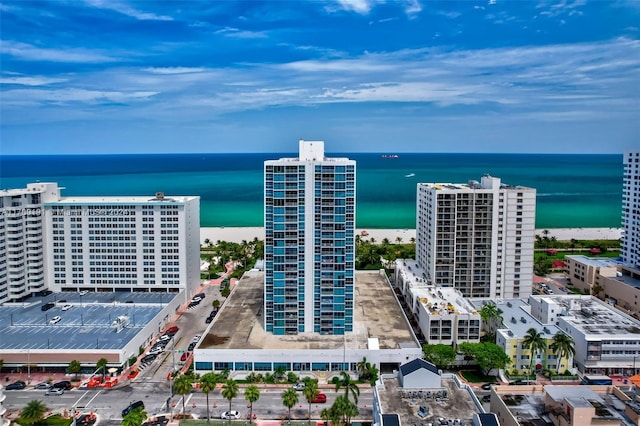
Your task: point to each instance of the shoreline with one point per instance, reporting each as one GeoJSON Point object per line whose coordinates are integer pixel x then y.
{"type": "Point", "coordinates": [238, 234]}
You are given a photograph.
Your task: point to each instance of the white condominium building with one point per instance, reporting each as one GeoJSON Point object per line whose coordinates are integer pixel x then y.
{"type": "Point", "coordinates": [631, 210]}
{"type": "Point", "coordinates": [309, 243]}
{"type": "Point", "coordinates": [477, 237]}
{"type": "Point", "coordinates": [21, 240]}
{"type": "Point", "coordinates": [145, 244]}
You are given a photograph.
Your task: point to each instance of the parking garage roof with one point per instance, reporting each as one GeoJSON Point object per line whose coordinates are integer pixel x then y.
{"type": "Point", "coordinates": [377, 314]}
{"type": "Point", "coordinates": [88, 324]}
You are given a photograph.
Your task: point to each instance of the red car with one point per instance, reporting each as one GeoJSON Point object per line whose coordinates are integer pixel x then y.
{"type": "Point", "coordinates": [172, 330]}
{"type": "Point", "coordinates": [184, 356]}
{"type": "Point", "coordinates": [321, 398]}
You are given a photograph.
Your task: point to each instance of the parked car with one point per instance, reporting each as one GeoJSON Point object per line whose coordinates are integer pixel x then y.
{"type": "Point", "coordinates": [45, 293]}
{"type": "Point", "coordinates": [172, 330]}
{"type": "Point", "coordinates": [148, 358]}
{"type": "Point", "coordinates": [487, 386]}
{"type": "Point", "coordinates": [192, 346]}
{"type": "Point", "coordinates": [132, 406]}
{"type": "Point", "coordinates": [164, 337]}
{"type": "Point", "coordinates": [16, 385]}
{"type": "Point", "coordinates": [67, 307]}
{"type": "Point", "coordinates": [156, 350]}
{"type": "Point", "coordinates": [84, 292]}
{"type": "Point", "coordinates": [233, 415]}
{"type": "Point", "coordinates": [54, 391]}
{"type": "Point", "coordinates": [208, 320]}
{"type": "Point", "coordinates": [47, 306]}
{"type": "Point", "coordinates": [184, 356]}
{"type": "Point", "coordinates": [42, 386]}
{"type": "Point", "coordinates": [64, 384]}
{"type": "Point", "coordinates": [55, 320]}
{"type": "Point", "coordinates": [320, 399]}
{"type": "Point", "coordinates": [298, 387]}
{"type": "Point", "coordinates": [196, 338]}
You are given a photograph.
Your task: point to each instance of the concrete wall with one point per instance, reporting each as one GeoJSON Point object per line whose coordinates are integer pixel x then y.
{"type": "Point", "coordinates": [421, 378]}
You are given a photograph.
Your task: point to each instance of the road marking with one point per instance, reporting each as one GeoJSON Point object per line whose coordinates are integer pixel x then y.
{"type": "Point", "coordinates": [91, 400]}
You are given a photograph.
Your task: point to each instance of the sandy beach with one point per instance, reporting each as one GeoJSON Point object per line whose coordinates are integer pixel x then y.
{"type": "Point", "coordinates": [238, 234]}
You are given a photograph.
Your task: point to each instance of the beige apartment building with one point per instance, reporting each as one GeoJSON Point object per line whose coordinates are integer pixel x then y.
{"type": "Point", "coordinates": [585, 273]}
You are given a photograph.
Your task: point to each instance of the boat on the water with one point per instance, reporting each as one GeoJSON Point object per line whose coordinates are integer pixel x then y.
{"type": "Point", "coordinates": [410, 175]}
{"type": "Point", "coordinates": [392, 156]}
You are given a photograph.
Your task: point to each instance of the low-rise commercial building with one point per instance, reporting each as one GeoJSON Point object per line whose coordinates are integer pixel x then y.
{"type": "Point", "coordinates": [443, 315]}
{"type": "Point", "coordinates": [236, 340]}
{"type": "Point", "coordinates": [585, 273]}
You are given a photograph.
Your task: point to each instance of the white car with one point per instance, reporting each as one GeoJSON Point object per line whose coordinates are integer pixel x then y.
{"type": "Point", "coordinates": [232, 415]}
{"type": "Point", "coordinates": [196, 338]}
{"type": "Point", "coordinates": [67, 307]}
{"type": "Point", "coordinates": [298, 387]}
{"type": "Point", "coordinates": [164, 337]}
{"type": "Point", "coordinates": [55, 320]}
{"type": "Point", "coordinates": [54, 391]}
{"type": "Point", "coordinates": [84, 292]}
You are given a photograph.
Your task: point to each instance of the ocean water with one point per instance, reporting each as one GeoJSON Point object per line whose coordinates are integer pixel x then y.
{"type": "Point", "coordinates": [572, 190]}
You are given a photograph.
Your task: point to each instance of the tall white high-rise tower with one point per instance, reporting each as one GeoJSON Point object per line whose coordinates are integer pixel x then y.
{"type": "Point", "coordinates": [631, 210]}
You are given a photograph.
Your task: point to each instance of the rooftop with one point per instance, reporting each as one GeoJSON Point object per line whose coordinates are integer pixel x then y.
{"type": "Point", "coordinates": [517, 318]}
{"type": "Point", "coordinates": [594, 317]}
{"type": "Point", "coordinates": [456, 405]}
{"type": "Point", "coordinates": [377, 314]}
{"type": "Point", "coordinates": [594, 261]}
{"type": "Point", "coordinates": [88, 324]}
{"type": "Point", "coordinates": [121, 199]}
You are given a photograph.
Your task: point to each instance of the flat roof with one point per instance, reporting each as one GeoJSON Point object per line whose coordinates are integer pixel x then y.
{"type": "Point", "coordinates": [149, 199]}
{"type": "Point", "coordinates": [457, 404]}
{"type": "Point", "coordinates": [594, 317]}
{"type": "Point", "coordinates": [377, 314]}
{"type": "Point", "coordinates": [594, 261]}
{"type": "Point", "coordinates": [86, 325]}
{"type": "Point", "coordinates": [628, 280]}
{"type": "Point", "coordinates": [517, 318]}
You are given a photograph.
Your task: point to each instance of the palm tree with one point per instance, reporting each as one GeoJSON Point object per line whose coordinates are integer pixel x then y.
{"type": "Point", "coordinates": [33, 412]}
{"type": "Point", "coordinates": [345, 408]}
{"type": "Point", "coordinates": [399, 240]}
{"type": "Point", "coordinates": [563, 345]}
{"type": "Point", "coordinates": [278, 372]}
{"type": "Point", "coordinates": [135, 417]}
{"type": "Point", "coordinates": [536, 342]}
{"type": "Point", "coordinates": [310, 392]}
{"type": "Point", "coordinates": [74, 367]}
{"type": "Point", "coordinates": [182, 386]}
{"type": "Point", "coordinates": [363, 366]}
{"type": "Point", "coordinates": [251, 394]}
{"type": "Point", "coordinates": [208, 382]}
{"type": "Point", "coordinates": [102, 365]}
{"type": "Point", "coordinates": [330, 415]}
{"type": "Point", "coordinates": [289, 399]}
{"type": "Point", "coordinates": [350, 386]}
{"type": "Point", "coordinates": [229, 391]}
{"type": "Point", "coordinates": [491, 314]}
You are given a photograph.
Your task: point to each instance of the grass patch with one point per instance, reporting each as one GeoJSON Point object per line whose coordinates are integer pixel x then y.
{"type": "Point", "coordinates": [475, 376]}
{"type": "Point", "coordinates": [55, 420]}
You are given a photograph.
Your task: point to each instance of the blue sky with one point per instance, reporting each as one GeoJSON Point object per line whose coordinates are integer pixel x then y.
{"type": "Point", "coordinates": [117, 76]}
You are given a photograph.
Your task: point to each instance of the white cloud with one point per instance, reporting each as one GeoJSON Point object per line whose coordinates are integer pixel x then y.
{"type": "Point", "coordinates": [72, 95]}
{"type": "Point", "coordinates": [33, 53]}
{"type": "Point", "coordinates": [127, 10]}
{"type": "Point", "coordinates": [359, 6]}
{"type": "Point", "coordinates": [30, 80]}
{"type": "Point", "coordinates": [174, 70]}
{"type": "Point", "coordinates": [237, 33]}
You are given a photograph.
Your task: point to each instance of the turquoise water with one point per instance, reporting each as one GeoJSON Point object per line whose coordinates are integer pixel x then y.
{"type": "Point", "coordinates": [573, 190]}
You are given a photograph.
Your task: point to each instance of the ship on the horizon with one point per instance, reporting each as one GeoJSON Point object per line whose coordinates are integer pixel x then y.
{"type": "Point", "coordinates": [390, 156]}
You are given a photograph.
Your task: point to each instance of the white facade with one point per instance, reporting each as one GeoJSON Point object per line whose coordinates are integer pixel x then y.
{"type": "Point", "coordinates": [443, 315]}
{"type": "Point", "coordinates": [309, 243]}
{"type": "Point", "coordinates": [477, 237]}
{"type": "Point", "coordinates": [145, 244]}
{"type": "Point", "coordinates": [631, 210]}
{"type": "Point", "coordinates": [21, 240]}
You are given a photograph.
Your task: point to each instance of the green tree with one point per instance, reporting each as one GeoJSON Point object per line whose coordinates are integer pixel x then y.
{"type": "Point", "coordinates": [488, 356]}
{"type": "Point", "coordinates": [491, 315]}
{"type": "Point", "coordinates": [74, 367]}
{"type": "Point", "coordinates": [251, 394]}
{"type": "Point", "coordinates": [135, 417]}
{"type": "Point", "coordinates": [562, 345]}
{"type": "Point", "coordinates": [229, 391]}
{"type": "Point", "coordinates": [215, 303]}
{"type": "Point", "coordinates": [440, 355]}
{"type": "Point", "coordinates": [289, 399]}
{"type": "Point", "coordinates": [536, 343]}
{"type": "Point", "coordinates": [345, 408]}
{"type": "Point", "coordinates": [348, 384]}
{"type": "Point", "coordinates": [225, 291]}
{"type": "Point", "coordinates": [310, 392]}
{"type": "Point", "coordinates": [208, 383]}
{"type": "Point", "coordinates": [279, 373]}
{"type": "Point", "coordinates": [101, 365]}
{"type": "Point", "coordinates": [33, 412]}
{"type": "Point", "coordinates": [182, 386]}
{"type": "Point", "coordinates": [331, 415]}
